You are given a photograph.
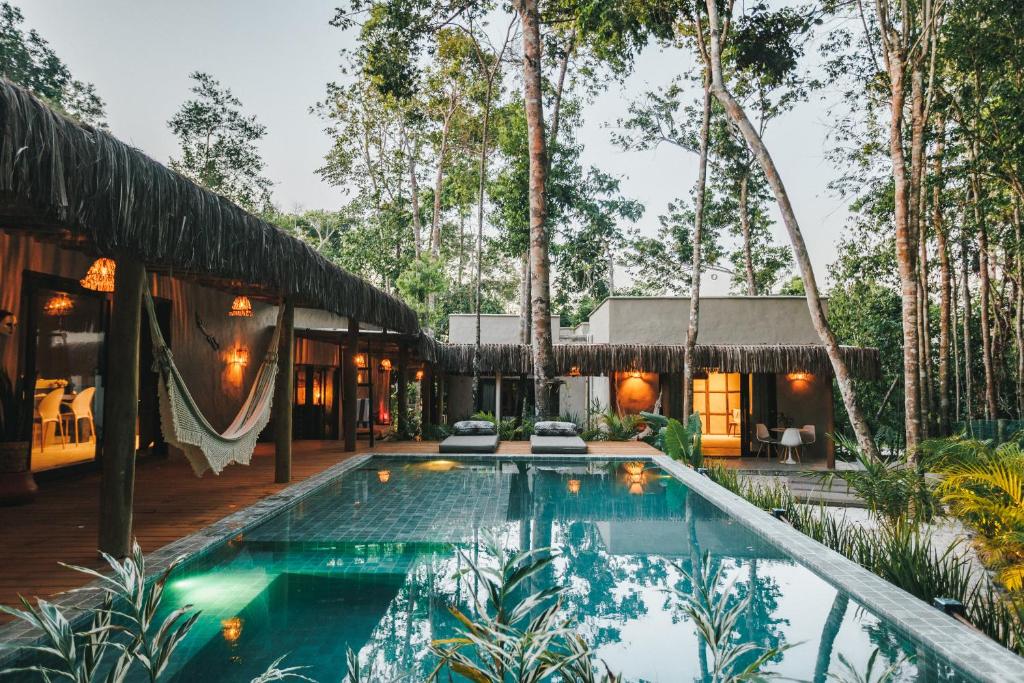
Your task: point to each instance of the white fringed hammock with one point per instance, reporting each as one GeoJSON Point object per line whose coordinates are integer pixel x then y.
{"type": "Point", "coordinates": [183, 424]}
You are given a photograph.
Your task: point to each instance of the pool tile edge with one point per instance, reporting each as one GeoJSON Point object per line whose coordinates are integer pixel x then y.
{"type": "Point", "coordinates": [967, 649]}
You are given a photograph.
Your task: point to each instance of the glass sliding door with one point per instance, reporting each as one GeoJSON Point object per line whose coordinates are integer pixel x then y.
{"type": "Point", "coordinates": [66, 361]}
{"type": "Point", "coordinates": [717, 396]}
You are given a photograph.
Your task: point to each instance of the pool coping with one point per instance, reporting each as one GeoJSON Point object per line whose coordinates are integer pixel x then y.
{"type": "Point", "coordinates": [75, 603]}
{"type": "Point", "coordinates": [965, 648]}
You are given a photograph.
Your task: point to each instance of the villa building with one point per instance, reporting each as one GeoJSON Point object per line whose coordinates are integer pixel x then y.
{"type": "Point", "coordinates": [766, 365]}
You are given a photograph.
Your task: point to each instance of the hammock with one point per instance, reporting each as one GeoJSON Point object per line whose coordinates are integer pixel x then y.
{"type": "Point", "coordinates": [182, 422]}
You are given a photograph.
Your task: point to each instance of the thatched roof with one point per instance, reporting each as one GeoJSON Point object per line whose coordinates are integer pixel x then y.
{"type": "Point", "coordinates": [603, 359]}
{"type": "Point", "coordinates": [81, 184]}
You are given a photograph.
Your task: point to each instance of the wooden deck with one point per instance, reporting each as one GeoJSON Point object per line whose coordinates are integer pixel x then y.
{"type": "Point", "coordinates": [170, 502]}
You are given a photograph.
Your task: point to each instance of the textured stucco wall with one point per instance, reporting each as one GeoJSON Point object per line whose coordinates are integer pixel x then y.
{"type": "Point", "coordinates": [723, 320]}
{"type": "Point", "coordinates": [494, 329]}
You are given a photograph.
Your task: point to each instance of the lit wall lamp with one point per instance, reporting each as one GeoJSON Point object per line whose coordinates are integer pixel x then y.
{"type": "Point", "coordinates": [241, 307]}
{"type": "Point", "coordinates": [799, 376]}
{"type": "Point", "coordinates": [419, 375]}
{"type": "Point", "coordinates": [635, 374]}
{"type": "Point", "coordinates": [239, 357]}
{"type": "Point", "coordinates": [385, 365]}
{"type": "Point", "coordinates": [574, 371]}
{"type": "Point", "coordinates": [360, 360]}
{"type": "Point", "coordinates": [100, 276]}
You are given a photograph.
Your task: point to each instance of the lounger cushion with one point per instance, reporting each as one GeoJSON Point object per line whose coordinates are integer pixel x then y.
{"type": "Point", "coordinates": [477, 443]}
{"type": "Point", "coordinates": [553, 428]}
{"type": "Point", "coordinates": [562, 445]}
{"type": "Point", "coordinates": [468, 427]}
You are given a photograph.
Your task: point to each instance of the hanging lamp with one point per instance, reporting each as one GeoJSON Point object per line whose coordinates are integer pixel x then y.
{"type": "Point", "coordinates": [100, 276]}
{"type": "Point", "coordinates": [241, 307]}
{"type": "Point", "coordinates": [59, 305]}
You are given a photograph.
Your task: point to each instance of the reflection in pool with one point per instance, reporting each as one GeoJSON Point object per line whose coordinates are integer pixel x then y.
{"type": "Point", "coordinates": [368, 563]}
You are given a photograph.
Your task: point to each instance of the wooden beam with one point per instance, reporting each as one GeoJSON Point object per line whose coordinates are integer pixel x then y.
{"type": "Point", "coordinates": [120, 409]}
{"type": "Point", "coordinates": [403, 390]}
{"type": "Point", "coordinates": [370, 370]}
{"type": "Point", "coordinates": [426, 400]}
{"type": "Point", "coordinates": [283, 396]}
{"type": "Point", "coordinates": [349, 378]}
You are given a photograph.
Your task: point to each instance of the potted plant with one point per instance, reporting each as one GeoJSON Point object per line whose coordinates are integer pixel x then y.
{"type": "Point", "coordinates": [17, 485]}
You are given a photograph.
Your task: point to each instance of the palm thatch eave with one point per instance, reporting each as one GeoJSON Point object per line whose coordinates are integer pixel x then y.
{"type": "Point", "coordinates": [58, 175]}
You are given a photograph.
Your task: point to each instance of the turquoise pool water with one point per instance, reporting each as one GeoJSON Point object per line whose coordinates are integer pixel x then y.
{"type": "Point", "coordinates": [368, 563]}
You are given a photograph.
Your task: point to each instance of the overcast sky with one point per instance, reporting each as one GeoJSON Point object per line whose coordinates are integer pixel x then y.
{"type": "Point", "coordinates": [276, 57]}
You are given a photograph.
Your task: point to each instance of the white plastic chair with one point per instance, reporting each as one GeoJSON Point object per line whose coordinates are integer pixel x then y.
{"type": "Point", "coordinates": [49, 411]}
{"type": "Point", "coordinates": [763, 437]}
{"type": "Point", "coordinates": [792, 442]}
{"type": "Point", "coordinates": [81, 409]}
{"type": "Point", "coordinates": [808, 434]}
{"type": "Point", "coordinates": [734, 421]}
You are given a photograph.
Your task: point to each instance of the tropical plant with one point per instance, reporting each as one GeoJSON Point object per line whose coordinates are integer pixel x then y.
{"type": "Point", "coordinates": [893, 490]}
{"type": "Point", "coordinates": [708, 608]}
{"type": "Point", "coordinates": [517, 635]}
{"type": "Point", "coordinates": [683, 442]}
{"type": "Point", "coordinates": [615, 427]}
{"type": "Point", "coordinates": [985, 487]}
{"type": "Point", "coordinates": [123, 626]}
{"type": "Point", "coordinates": [850, 673]}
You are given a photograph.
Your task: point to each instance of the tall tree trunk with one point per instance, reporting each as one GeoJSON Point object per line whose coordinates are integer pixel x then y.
{"type": "Point", "coordinates": [739, 118]}
{"type": "Point", "coordinates": [689, 351]}
{"type": "Point", "coordinates": [748, 260]}
{"type": "Point", "coordinates": [417, 227]}
{"type": "Point", "coordinates": [462, 247]}
{"type": "Point", "coordinates": [435, 222]}
{"type": "Point", "coordinates": [1019, 317]}
{"type": "Point", "coordinates": [945, 289]}
{"type": "Point", "coordinates": [905, 252]}
{"type": "Point", "coordinates": [525, 289]}
{"type": "Point", "coordinates": [543, 352]}
{"type": "Point", "coordinates": [966, 319]}
{"type": "Point", "coordinates": [481, 196]}
{"type": "Point", "coordinates": [924, 329]}
{"type": "Point", "coordinates": [991, 408]}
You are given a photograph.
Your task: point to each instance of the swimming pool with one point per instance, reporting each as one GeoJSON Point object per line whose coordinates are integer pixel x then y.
{"type": "Point", "coordinates": [368, 562]}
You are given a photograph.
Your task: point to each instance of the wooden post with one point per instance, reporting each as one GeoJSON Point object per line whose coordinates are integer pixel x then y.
{"type": "Point", "coordinates": [403, 390]}
{"type": "Point", "coordinates": [350, 378]}
{"type": "Point", "coordinates": [370, 371]}
{"type": "Point", "coordinates": [426, 397]}
{"type": "Point", "coordinates": [120, 409]}
{"type": "Point", "coordinates": [497, 397]}
{"type": "Point", "coordinates": [283, 396]}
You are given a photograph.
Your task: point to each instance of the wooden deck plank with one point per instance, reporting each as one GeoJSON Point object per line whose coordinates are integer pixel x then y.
{"type": "Point", "coordinates": [170, 502]}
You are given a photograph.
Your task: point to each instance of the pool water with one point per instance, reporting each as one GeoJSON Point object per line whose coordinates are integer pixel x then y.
{"type": "Point", "coordinates": [369, 562]}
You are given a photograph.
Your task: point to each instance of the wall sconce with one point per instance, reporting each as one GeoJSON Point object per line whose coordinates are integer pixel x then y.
{"type": "Point", "coordinates": [635, 374]}
{"type": "Point", "coordinates": [100, 276]}
{"type": "Point", "coordinates": [574, 371]}
{"type": "Point", "coordinates": [241, 307]}
{"type": "Point", "coordinates": [385, 365]}
{"type": "Point", "coordinates": [231, 629]}
{"type": "Point", "coordinates": [239, 357]}
{"type": "Point", "coordinates": [798, 376]}
{"type": "Point", "coordinates": [360, 360]}
{"type": "Point", "coordinates": [573, 485]}
{"type": "Point", "coordinates": [383, 476]}
{"type": "Point", "coordinates": [419, 375]}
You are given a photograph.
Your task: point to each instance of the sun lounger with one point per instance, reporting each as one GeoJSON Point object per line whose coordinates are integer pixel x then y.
{"type": "Point", "coordinates": [558, 445]}
{"type": "Point", "coordinates": [475, 443]}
